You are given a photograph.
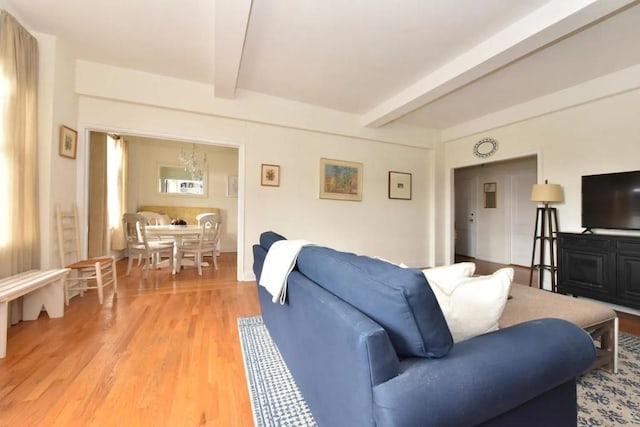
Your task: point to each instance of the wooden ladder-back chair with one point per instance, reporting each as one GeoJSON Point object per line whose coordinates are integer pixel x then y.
{"type": "Point", "coordinates": [134, 226]}
{"type": "Point", "coordinates": [92, 273]}
{"type": "Point", "coordinates": [205, 243]}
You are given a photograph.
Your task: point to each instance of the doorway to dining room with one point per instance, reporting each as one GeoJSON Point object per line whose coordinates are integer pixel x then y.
{"type": "Point", "coordinates": [144, 160]}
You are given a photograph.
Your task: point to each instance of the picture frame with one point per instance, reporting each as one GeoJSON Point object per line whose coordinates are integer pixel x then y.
{"type": "Point", "coordinates": [490, 195]}
{"type": "Point", "coordinates": [270, 175]}
{"type": "Point", "coordinates": [232, 185]}
{"type": "Point", "coordinates": [399, 185]}
{"type": "Point", "coordinates": [341, 180]}
{"type": "Point", "coordinates": [68, 142]}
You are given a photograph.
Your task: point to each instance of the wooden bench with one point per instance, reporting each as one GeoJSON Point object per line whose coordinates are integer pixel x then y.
{"type": "Point", "coordinates": [527, 303]}
{"type": "Point", "coordinates": [39, 288]}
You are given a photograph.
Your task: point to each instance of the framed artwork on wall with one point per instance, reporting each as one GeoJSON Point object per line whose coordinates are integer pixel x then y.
{"type": "Point", "coordinates": [232, 185]}
{"type": "Point", "coordinates": [399, 185]}
{"type": "Point", "coordinates": [68, 142]}
{"type": "Point", "coordinates": [270, 175]}
{"type": "Point", "coordinates": [490, 195]}
{"type": "Point", "coordinates": [340, 180]}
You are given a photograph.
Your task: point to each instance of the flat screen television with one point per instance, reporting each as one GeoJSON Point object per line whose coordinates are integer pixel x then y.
{"type": "Point", "coordinates": [611, 201]}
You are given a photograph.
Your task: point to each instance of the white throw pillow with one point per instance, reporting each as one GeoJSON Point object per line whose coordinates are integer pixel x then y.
{"type": "Point", "coordinates": [447, 277]}
{"type": "Point", "coordinates": [164, 219]}
{"type": "Point", "coordinates": [475, 304]}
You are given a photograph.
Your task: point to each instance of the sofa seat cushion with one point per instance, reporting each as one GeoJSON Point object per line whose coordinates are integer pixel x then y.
{"type": "Point", "coordinates": [398, 299]}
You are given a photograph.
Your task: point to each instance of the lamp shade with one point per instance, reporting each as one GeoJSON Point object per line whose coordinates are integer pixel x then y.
{"type": "Point", "coordinates": [547, 193]}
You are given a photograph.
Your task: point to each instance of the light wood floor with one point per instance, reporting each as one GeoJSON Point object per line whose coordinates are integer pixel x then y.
{"type": "Point", "coordinates": [164, 352]}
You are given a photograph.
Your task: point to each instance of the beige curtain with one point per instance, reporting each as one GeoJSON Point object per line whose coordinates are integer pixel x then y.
{"type": "Point", "coordinates": [118, 242]}
{"type": "Point", "coordinates": [19, 213]}
{"type": "Point", "coordinates": [98, 214]}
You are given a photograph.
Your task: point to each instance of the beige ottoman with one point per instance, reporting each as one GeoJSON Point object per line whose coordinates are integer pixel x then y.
{"type": "Point", "coordinates": [528, 303]}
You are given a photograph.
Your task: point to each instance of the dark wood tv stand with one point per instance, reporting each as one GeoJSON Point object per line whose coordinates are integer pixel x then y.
{"type": "Point", "coordinates": [600, 266]}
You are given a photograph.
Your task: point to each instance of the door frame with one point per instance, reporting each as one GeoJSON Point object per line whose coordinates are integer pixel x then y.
{"type": "Point", "coordinates": [474, 239]}
{"type": "Point", "coordinates": [82, 178]}
{"type": "Point", "coordinates": [449, 205]}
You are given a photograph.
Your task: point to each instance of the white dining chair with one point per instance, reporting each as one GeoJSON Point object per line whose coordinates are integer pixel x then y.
{"type": "Point", "coordinates": [215, 219]}
{"type": "Point", "coordinates": [134, 226]}
{"type": "Point", "coordinates": [206, 242]}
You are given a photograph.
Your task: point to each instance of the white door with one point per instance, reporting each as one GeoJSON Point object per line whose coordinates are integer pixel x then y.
{"type": "Point", "coordinates": [465, 216]}
{"type": "Point", "coordinates": [523, 217]}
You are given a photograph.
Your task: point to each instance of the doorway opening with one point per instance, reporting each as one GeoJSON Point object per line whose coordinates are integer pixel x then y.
{"type": "Point", "coordinates": [148, 155]}
{"type": "Point", "coordinates": [494, 217]}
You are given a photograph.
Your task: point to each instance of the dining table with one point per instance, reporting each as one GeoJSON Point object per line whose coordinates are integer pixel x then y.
{"type": "Point", "coordinates": [178, 233]}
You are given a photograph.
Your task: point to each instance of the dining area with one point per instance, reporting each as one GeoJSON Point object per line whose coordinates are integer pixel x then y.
{"type": "Point", "coordinates": [176, 245]}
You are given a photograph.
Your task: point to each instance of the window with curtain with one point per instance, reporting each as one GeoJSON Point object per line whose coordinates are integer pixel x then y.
{"type": "Point", "coordinates": [19, 227]}
{"type": "Point", "coordinates": [107, 193]}
{"type": "Point", "coordinates": [116, 188]}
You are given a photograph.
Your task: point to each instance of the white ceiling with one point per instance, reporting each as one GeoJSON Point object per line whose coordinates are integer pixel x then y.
{"type": "Point", "coordinates": [434, 63]}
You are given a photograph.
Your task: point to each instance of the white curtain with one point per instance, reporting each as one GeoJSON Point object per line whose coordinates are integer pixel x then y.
{"type": "Point", "coordinates": [107, 193]}
{"type": "Point", "coordinates": [117, 156]}
{"type": "Point", "coordinates": [19, 213]}
{"type": "Point", "coordinates": [19, 219]}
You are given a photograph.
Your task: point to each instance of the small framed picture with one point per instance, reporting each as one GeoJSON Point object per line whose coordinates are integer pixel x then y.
{"type": "Point", "coordinates": [399, 185]}
{"type": "Point", "coordinates": [270, 175]}
{"type": "Point", "coordinates": [68, 142]}
{"type": "Point", "coordinates": [490, 187]}
{"type": "Point", "coordinates": [490, 195]}
{"type": "Point", "coordinates": [232, 185]}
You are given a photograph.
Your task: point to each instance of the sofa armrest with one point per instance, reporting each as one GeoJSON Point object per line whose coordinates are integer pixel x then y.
{"type": "Point", "coordinates": [335, 353]}
{"type": "Point", "coordinates": [485, 376]}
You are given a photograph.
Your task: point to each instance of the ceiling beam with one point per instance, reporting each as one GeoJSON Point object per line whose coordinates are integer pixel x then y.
{"type": "Point", "coordinates": [231, 23]}
{"type": "Point", "coordinates": [551, 22]}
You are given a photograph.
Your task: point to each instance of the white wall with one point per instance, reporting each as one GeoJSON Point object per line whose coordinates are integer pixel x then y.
{"type": "Point", "coordinates": [393, 229]}
{"type": "Point", "coordinates": [597, 137]}
{"type": "Point", "coordinates": [377, 226]}
{"type": "Point", "coordinates": [147, 154]}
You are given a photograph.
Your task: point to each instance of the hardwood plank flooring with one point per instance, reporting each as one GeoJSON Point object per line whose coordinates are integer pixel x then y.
{"type": "Point", "coordinates": [164, 352]}
{"type": "Point", "coordinates": [627, 322]}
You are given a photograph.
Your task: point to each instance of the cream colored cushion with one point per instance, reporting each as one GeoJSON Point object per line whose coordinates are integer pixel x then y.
{"type": "Point", "coordinates": [471, 305]}
{"type": "Point", "coordinates": [448, 277]}
{"type": "Point", "coordinates": [164, 219]}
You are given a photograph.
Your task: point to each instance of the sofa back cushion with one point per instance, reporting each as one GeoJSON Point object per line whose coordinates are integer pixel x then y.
{"type": "Point", "coordinates": [268, 238]}
{"type": "Point", "coordinates": [398, 299]}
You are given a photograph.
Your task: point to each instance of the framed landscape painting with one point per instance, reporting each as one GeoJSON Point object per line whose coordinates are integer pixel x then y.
{"type": "Point", "coordinates": [340, 180]}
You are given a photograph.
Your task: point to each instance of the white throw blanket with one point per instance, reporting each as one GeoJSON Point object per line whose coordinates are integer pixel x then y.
{"type": "Point", "coordinates": [278, 263]}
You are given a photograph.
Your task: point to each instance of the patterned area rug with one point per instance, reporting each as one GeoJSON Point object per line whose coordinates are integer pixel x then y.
{"type": "Point", "coordinates": [604, 399]}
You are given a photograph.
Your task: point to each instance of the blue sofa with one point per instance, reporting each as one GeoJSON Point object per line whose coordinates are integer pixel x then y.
{"type": "Point", "coordinates": [367, 345]}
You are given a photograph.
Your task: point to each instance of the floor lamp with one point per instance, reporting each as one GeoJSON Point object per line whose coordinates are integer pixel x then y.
{"type": "Point", "coordinates": [545, 232]}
